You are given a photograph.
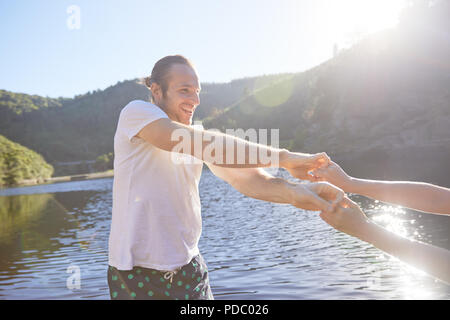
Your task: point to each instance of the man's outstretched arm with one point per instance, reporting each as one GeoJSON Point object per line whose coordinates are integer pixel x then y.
{"type": "Point", "coordinates": [225, 150]}
{"type": "Point", "coordinates": [257, 183]}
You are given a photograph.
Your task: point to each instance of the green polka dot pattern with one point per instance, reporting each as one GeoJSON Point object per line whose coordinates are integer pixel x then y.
{"type": "Point", "coordinates": [191, 282]}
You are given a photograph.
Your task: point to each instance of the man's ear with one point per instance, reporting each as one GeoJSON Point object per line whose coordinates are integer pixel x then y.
{"type": "Point", "coordinates": [156, 91]}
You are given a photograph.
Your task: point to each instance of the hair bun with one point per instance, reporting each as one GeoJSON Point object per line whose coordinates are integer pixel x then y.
{"type": "Point", "coordinates": [148, 83]}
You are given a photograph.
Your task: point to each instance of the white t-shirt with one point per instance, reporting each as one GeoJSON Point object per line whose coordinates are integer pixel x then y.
{"type": "Point", "coordinates": [156, 216]}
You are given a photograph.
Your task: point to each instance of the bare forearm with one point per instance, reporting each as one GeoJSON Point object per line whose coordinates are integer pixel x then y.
{"type": "Point", "coordinates": [430, 259]}
{"type": "Point", "coordinates": [263, 186]}
{"type": "Point", "coordinates": [226, 150]}
{"type": "Point", "coordinates": [415, 195]}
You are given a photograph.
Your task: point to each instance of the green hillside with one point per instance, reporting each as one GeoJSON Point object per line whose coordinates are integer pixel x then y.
{"type": "Point", "coordinates": [386, 84]}
{"type": "Point", "coordinates": [80, 128]}
{"type": "Point", "coordinates": [18, 163]}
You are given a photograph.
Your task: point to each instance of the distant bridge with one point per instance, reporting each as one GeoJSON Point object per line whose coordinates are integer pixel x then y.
{"type": "Point", "coordinates": [74, 167]}
{"type": "Point", "coordinates": [75, 163]}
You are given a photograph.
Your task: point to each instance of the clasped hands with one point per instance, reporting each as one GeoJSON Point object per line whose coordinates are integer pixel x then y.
{"type": "Point", "coordinates": [323, 192]}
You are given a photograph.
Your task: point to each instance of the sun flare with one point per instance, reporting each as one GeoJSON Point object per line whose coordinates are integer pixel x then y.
{"type": "Point", "coordinates": [350, 19]}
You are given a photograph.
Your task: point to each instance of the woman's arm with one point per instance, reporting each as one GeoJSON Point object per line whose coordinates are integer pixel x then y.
{"type": "Point", "coordinates": [415, 195]}
{"type": "Point", "coordinates": [428, 258]}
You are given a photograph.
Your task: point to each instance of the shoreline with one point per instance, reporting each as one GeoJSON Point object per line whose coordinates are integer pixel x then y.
{"type": "Point", "coordinates": [77, 177]}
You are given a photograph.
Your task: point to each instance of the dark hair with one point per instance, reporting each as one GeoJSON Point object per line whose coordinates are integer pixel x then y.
{"type": "Point", "coordinates": [161, 70]}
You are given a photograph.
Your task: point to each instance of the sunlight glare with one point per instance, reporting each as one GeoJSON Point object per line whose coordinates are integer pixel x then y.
{"type": "Point", "coordinates": [349, 20]}
{"type": "Point", "coordinates": [390, 220]}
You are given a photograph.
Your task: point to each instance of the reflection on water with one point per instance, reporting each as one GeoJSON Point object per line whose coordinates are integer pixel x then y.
{"type": "Point", "coordinates": [16, 212]}
{"type": "Point", "coordinates": [50, 233]}
{"type": "Point", "coordinates": [254, 249]}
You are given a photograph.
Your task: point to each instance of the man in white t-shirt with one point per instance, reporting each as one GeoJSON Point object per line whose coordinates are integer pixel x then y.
{"type": "Point", "coordinates": [156, 220]}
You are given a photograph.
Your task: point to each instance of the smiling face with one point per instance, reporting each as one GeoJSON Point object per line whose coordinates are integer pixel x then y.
{"type": "Point", "coordinates": [182, 95]}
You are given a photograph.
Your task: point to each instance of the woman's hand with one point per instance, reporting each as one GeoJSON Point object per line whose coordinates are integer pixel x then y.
{"type": "Point", "coordinates": [333, 174]}
{"type": "Point", "coordinates": [299, 165]}
{"type": "Point", "coordinates": [348, 218]}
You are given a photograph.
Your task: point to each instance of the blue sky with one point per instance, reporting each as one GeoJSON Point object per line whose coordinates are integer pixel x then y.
{"type": "Point", "coordinates": [121, 40]}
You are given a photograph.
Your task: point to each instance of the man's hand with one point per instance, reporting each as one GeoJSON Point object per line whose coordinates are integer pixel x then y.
{"type": "Point", "coordinates": [334, 174]}
{"type": "Point", "coordinates": [300, 164]}
{"type": "Point", "coordinates": [319, 196]}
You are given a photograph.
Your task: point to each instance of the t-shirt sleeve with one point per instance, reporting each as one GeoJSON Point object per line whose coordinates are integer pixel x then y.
{"type": "Point", "coordinates": [137, 115]}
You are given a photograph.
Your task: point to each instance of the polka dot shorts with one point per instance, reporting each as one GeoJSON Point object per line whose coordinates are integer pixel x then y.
{"type": "Point", "coordinates": [190, 282]}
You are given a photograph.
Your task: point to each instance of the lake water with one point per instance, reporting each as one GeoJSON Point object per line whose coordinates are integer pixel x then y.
{"type": "Point", "coordinates": [254, 249]}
